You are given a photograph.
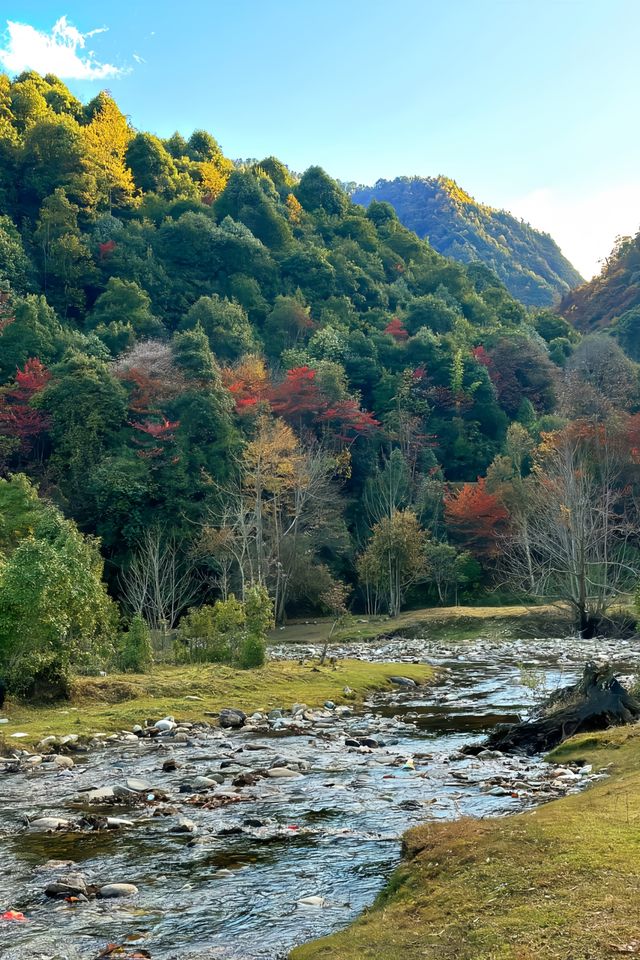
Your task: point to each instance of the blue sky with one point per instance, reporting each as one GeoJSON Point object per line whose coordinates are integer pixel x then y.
{"type": "Point", "coordinates": [528, 104]}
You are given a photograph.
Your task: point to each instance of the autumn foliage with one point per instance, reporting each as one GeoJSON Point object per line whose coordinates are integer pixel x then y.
{"type": "Point", "coordinates": [396, 329]}
{"type": "Point", "coordinates": [476, 517]}
{"type": "Point", "coordinates": [19, 420]}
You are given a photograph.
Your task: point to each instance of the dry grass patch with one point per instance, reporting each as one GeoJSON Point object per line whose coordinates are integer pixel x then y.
{"type": "Point", "coordinates": [105, 704]}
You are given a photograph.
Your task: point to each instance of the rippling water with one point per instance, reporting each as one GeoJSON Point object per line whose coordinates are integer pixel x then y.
{"type": "Point", "coordinates": [233, 891]}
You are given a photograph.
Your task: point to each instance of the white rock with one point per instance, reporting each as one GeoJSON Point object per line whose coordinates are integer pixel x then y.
{"type": "Point", "coordinates": [118, 890]}
{"type": "Point", "coordinates": [62, 762]}
{"type": "Point", "coordinates": [168, 723]}
{"type": "Point", "coordinates": [49, 823]}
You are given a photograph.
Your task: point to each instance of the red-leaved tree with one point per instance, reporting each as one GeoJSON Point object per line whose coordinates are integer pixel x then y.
{"type": "Point", "coordinates": [476, 517]}
{"type": "Point", "coordinates": [19, 420]}
{"type": "Point", "coordinates": [395, 328]}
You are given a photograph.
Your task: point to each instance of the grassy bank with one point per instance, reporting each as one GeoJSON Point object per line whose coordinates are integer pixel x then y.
{"type": "Point", "coordinates": [105, 704]}
{"type": "Point", "coordinates": [449, 623]}
{"type": "Point", "coordinates": [558, 883]}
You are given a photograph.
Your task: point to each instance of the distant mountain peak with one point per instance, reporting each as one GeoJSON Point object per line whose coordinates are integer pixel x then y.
{"type": "Point", "coordinates": [528, 261]}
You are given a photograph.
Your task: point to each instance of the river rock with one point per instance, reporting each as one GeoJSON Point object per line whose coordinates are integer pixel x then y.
{"type": "Point", "coordinates": [138, 786]}
{"type": "Point", "coordinates": [118, 890]}
{"type": "Point", "coordinates": [277, 772]}
{"type": "Point", "coordinates": [165, 725]}
{"type": "Point", "coordinates": [61, 762]}
{"type": "Point", "coordinates": [403, 681]}
{"type": "Point", "coordinates": [369, 742]}
{"type": "Point", "coordinates": [207, 783]}
{"type": "Point", "coordinates": [312, 902]}
{"type": "Point", "coordinates": [47, 824]}
{"type": "Point", "coordinates": [184, 825]}
{"type": "Point", "coordinates": [232, 719]}
{"type": "Point", "coordinates": [70, 885]}
{"type": "Point", "coordinates": [99, 795]}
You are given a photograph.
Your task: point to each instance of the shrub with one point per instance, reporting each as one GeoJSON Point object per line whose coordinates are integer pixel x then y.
{"type": "Point", "coordinates": [212, 634]}
{"type": "Point", "coordinates": [252, 652]}
{"type": "Point", "coordinates": [136, 655]}
{"type": "Point", "coordinates": [259, 613]}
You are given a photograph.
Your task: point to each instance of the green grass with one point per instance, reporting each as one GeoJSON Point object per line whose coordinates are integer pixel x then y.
{"type": "Point", "coordinates": [446, 623]}
{"type": "Point", "coordinates": [106, 704]}
{"type": "Point", "coordinates": [558, 883]}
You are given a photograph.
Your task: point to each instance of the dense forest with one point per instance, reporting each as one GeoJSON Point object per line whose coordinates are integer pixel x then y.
{"type": "Point", "coordinates": [226, 381]}
{"type": "Point", "coordinates": [529, 262]}
{"type": "Point", "coordinates": [611, 301]}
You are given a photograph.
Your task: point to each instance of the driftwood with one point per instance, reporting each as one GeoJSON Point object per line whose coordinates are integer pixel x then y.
{"type": "Point", "coordinates": [596, 702]}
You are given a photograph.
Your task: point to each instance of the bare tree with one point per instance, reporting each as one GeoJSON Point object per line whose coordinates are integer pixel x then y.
{"type": "Point", "coordinates": [160, 582]}
{"type": "Point", "coordinates": [574, 542]}
{"type": "Point", "coordinates": [271, 514]}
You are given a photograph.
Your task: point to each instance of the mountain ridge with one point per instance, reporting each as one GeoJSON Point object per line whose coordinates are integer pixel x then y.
{"type": "Point", "coordinates": [528, 261]}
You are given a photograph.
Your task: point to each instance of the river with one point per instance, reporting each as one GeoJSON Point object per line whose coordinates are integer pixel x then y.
{"type": "Point", "coordinates": [230, 886]}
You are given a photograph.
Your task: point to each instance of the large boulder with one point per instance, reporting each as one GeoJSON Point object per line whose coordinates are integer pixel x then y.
{"type": "Point", "coordinates": [232, 719]}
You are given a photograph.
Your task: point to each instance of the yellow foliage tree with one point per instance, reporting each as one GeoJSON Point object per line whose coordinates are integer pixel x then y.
{"type": "Point", "coordinates": [213, 177]}
{"type": "Point", "coordinates": [294, 209]}
{"type": "Point", "coordinates": [107, 137]}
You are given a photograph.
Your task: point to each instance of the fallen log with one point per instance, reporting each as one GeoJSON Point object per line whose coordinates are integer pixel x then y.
{"type": "Point", "coordinates": [596, 702]}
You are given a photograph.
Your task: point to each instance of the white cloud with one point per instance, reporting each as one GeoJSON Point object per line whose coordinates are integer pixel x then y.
{"type": "Point", "coordinates": [59, 52]}
{"type": "Point", "coordinates": [584, 226]}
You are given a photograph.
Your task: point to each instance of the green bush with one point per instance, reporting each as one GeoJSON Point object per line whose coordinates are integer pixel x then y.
{"type": "Point", "coordinates": [227, 632]}
{"type": "Point", "coordinates": [212, 634]}
{"type": "Point", "coordinates": [259, 613]}
{"type": "Point", "coordinates": [252, 652]}
{"type": "Point", "coordinates": [136, 654]}
{"type": "Point", "coordinates": [55, 614]}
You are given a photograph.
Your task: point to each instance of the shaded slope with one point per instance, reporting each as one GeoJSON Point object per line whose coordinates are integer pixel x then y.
{"type": "Point", "coordinates": [612, 298]}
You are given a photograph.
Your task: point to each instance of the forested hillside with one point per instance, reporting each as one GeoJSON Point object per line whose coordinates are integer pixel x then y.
{"type": "Point", "coordinates": [238, 379]}
{"type": "Point", "coordinates": [611, 301]}
{"type": "Point", "coordinates": [529, 262]}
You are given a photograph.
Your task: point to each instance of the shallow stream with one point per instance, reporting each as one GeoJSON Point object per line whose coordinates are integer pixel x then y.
{"type": "Point", "coordinates": [230, 887]}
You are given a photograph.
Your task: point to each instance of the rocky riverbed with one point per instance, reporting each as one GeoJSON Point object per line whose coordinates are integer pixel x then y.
{"type": "Point", "coordinates": [194, 841]}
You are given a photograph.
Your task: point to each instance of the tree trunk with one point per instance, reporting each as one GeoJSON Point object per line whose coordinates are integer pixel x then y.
{"type": "Point", "coordinates": [596, 702]}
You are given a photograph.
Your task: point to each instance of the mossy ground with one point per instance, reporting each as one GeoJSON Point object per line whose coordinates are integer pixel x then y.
{"type": "Point", "coordinates": [558, 883]}
{"type": "Point", "coordinates": [105, 704]}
